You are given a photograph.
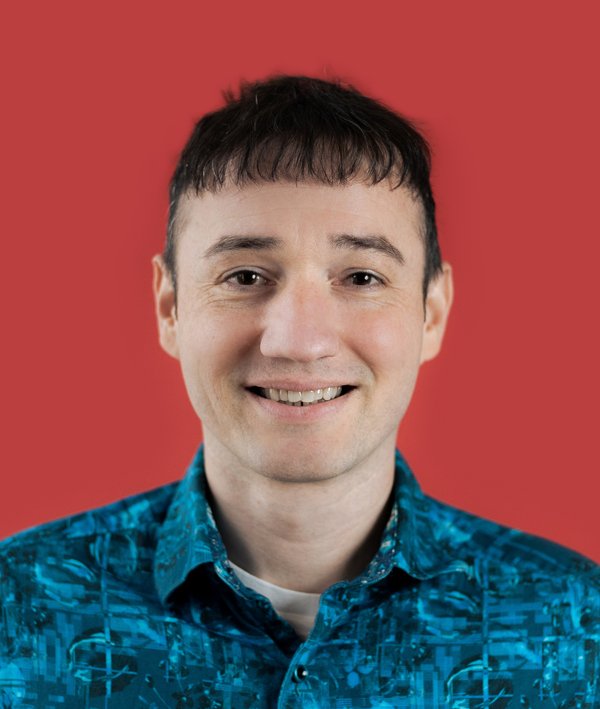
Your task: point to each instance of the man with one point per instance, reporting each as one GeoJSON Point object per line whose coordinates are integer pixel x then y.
{"type": "Point", "coordinates": [297, 564]}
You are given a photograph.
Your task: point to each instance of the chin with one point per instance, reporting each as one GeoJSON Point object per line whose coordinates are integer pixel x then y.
{"type": "Point", "coordinates": [288, 468]}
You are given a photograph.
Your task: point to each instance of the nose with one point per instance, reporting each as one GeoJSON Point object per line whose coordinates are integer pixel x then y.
{"type": "Point", "coordinates": [300, 324]}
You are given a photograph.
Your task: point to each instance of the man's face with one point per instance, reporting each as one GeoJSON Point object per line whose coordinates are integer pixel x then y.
{"type": "Point", "coordinates": [281, 288]}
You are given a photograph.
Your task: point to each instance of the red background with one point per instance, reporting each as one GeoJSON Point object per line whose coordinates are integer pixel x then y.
{"type": "Point", "coordinates": [97, 102]}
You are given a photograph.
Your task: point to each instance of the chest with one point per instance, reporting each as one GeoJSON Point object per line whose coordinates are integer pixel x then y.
{"type": "Point", "coordinates": [412, 649]}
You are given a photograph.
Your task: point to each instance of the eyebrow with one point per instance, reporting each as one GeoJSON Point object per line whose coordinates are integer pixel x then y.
{"type": "Point", "coordinates": [227, 244]}
{"type": "Point", "coordinates": [371, 243]}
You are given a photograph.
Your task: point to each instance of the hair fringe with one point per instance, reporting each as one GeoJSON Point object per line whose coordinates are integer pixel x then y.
{"type": "Point", "coordinates": [298, 128]}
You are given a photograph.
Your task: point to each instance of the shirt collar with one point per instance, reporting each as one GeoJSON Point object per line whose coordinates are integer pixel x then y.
{"type": "Point", "coordinates": [413, 540]}
{"type": "Point", "coordinates": [188, 537]}
{"type": "Point", "coordinates": [418, 538]}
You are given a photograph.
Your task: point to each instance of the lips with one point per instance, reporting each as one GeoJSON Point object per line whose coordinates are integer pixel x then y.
{"type": "Point", "coordinates": [301, 397]}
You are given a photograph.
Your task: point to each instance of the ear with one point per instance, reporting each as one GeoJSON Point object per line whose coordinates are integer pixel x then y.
{"type": "Point", "coordinates": [437, 308]}
{"type": "Point", "coordinates": [165, 307]}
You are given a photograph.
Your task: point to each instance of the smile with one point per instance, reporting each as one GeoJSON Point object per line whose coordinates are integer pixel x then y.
{"type": "Point", "coordinates": [302, 398]}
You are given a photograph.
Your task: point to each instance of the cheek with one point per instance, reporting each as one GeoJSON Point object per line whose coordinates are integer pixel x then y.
{"type": "Point", "coordinates": [211, 348]}
{"type": "Point", "coordinates": [389, 343]}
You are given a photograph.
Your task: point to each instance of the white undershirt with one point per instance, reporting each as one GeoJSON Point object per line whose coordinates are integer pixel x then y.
{"type": "Point", "coordinates": [297, 607]}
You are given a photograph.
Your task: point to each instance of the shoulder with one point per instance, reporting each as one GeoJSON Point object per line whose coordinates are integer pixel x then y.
{"type": "Point", "coordinates": [68, 550]}
{"type": "Point", "coordinates": [59, 582]}
{"type": "Point", "coordinates": [503, 556]}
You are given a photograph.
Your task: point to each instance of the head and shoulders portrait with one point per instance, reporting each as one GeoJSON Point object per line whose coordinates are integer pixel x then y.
{"type": "Point", "coordinates": [298, 561]}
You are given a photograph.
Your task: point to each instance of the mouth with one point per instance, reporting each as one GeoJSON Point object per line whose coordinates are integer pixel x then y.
{"type": "Point", "coordinates": [311, 397]}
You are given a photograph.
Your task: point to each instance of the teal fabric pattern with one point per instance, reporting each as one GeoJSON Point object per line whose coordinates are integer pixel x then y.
{"type": "Point", "coordinates": [135, 606]}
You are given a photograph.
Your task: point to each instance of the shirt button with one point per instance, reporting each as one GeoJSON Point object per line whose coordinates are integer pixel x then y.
{"type": "Point", "coordinates": [300, 673]}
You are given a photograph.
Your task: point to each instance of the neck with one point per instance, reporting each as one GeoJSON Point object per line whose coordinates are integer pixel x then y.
{"type": "Point", "coordinates": [303, 536]}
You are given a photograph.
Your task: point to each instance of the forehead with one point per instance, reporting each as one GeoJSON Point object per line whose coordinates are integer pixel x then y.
{"type": "Point", "coordinates": [301, 210]}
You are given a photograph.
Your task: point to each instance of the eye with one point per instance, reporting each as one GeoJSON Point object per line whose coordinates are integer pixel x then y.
{"type": "Point", "coordinates": [365, 279]}
{"type": "Point", "coordinates": [245, 278]}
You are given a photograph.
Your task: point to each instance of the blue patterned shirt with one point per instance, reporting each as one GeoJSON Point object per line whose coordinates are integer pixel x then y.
{"type": "Point", "coordinates": [135, 606]}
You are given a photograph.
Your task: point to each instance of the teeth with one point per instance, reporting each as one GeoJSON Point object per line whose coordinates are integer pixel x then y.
{"type": "Point", "coordinates": [302, 398]}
